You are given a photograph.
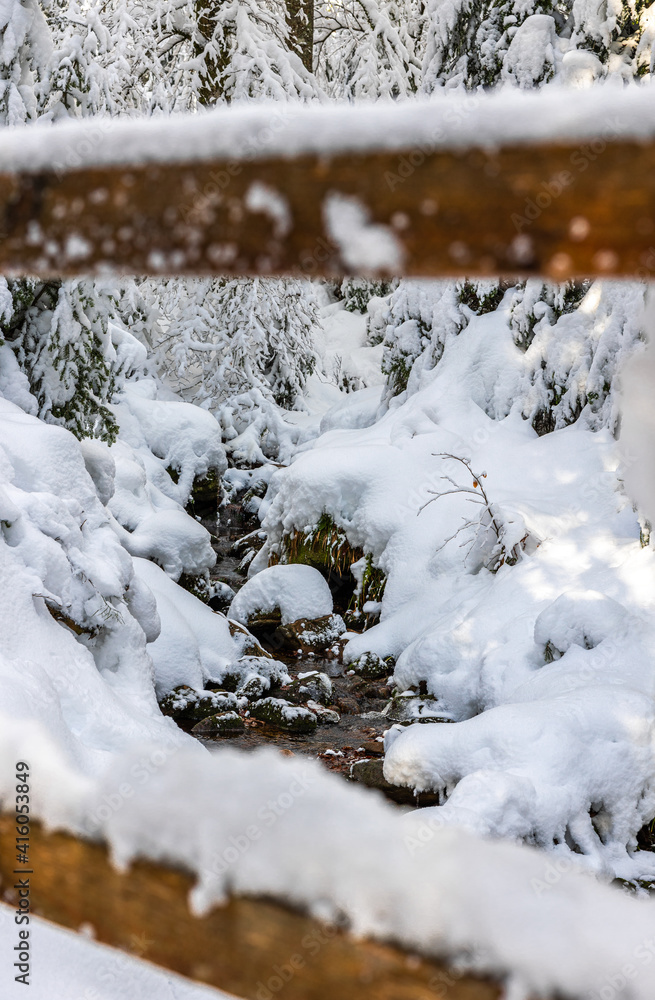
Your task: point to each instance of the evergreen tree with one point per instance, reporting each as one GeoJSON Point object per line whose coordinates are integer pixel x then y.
{"type": "Point", "coordinates": [58, 329]}
{"type": "Point", "coordinates": [226, 337]}
{"type": "Point", "coordinates": [60, 334]}
{"type": "Point", "coordinates": [197, 53]}
{"type": "Point", "coordinates": [25, 48]}
{"type": "Point", "coordinates": [367, 48]}
{"type": "Point", "coordinates": [485, 42]}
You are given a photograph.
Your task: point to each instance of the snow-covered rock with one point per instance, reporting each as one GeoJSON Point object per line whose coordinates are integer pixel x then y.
{"type": "Point", "coordinates": [295, 591]}
{"type": "Point", "coordinates": [195, 644]}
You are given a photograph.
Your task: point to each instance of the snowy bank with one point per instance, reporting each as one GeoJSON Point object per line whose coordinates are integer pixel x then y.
{"type": "Point", "coordinates": [525, 619]}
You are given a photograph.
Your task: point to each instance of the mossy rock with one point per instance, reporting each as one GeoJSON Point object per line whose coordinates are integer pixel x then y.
{"type": "Point", "coordinates": [221, 596]}
{"type": "Point", "coordinates": [205, 495]}
{"type": "Point", "coordinates": [252, 676]}
{"type": "Point", "coordinates": [313, 685]}
{"type": "Point", "coordinates": [254, 688]}
{"type": "Point", "coordinates": [371, 774]}
{"type": "Point", "coordinates": [226, 723]}
{"type": "Point", "coordinates": [310, 634]}
{"type": "Point", "coordinates": [264, 622]}
{"type": "Point", "coordinates": [410, 707]}
{"type": "Point", "coordinates": [325, 716]}
{"type": "Point", "coordinates": [185, 703]}
{"type": "Point", "coordinates": [279, 713]}
{"type": "Point", "coordinates": [251, 646]}
{"type": "Point", "coordinates": [370, 666]}
{"type": "Point", "coordinates": [199, 586]}
{"type": "Point", "coordinates": [325, 547]}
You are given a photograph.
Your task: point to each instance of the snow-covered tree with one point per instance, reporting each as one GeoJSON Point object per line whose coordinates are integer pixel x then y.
{"type": "Point", "coordinates": [60, 334]}
{"type": "Point", "coordinates": [222, 337]}
{"type": "Point", "coordinates": [485, 42]}
{"type": "Point", "coordinates": [78, 80]}
{"type": "Point", "coordinates": [57, 329]}
{"type": "Point", "coordinates": [226, 337]}
{"type": "Point", "coordinates": [368, 48]}
{"type": "Point", "coordinates": [181, 56]}
{"type": "Point", "coordinates": [25, 47]}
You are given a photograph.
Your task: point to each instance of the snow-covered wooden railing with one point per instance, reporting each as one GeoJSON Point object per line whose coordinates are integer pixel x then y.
{"type": "Point", "coordinates": [505, 184]}
{"type": "Point", "coordinates": [253, 948]}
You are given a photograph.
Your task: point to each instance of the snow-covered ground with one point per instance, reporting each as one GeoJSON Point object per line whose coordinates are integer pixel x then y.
{"type": "Point", "coordinates": [545, 661]}
{"type": "Point", "coordinates": [70, 966]}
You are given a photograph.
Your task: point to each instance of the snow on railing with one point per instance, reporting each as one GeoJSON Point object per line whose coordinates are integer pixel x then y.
{"type": "Point", "coordinates": [267, 876]}
{"type": "Point", "coordinates": [511, 183]}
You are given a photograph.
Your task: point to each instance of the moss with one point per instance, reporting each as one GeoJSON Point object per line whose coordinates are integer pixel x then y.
{"type": "Point", "coordinates": [222, 723]}
{"type": "Point", "coordinates": [279, 713]}
{"type": "Point", "coordinates": [374, 581]}
{"type": "Point", "coordinates": [185, 703]}
{"type": "Point", "coordinates": [205, 494]}
{"type": "Point", "coordinates": [310, 634]}
{"type": "Point", "coordinates": [325, 547]}
{"type": "Point", "coordinates": [370, 666]}
{"type": "Point", "coordinates": [199, 586]}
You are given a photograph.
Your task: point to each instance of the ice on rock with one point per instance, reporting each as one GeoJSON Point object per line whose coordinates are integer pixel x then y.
{"type": "Point", "coordinates": [296, 591]}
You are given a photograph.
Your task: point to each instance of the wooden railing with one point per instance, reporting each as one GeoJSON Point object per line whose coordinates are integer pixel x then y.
{"type": "Point", "coordinates": [555, 208]}
{"type": "Point", "coordinates": [253, 948]}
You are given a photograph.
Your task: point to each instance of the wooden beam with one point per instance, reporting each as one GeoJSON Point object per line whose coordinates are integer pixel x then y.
{"type": "Point", "coordinates": [252, 948]}
{"type": "Point", "coordinates": [553, 210]}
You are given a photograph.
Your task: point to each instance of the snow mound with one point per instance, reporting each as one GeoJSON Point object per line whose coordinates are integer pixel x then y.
{"type": "Point", "coordinates": [195, 645]}
{"type": "Point", "coordinates": [296, 591]}
{"type": "Point", "coordinates": [444, 891]}
{"type": "Point", "coordinates": [182, 436]}
{"type": "Point", "coordinates": [503, 773]}
{"type": "Point", "coordinates": [75, 622]}
{"type": "Point", "coordinates": [163, 446]}
{"type": "Point", "coordinates": [584, 620]}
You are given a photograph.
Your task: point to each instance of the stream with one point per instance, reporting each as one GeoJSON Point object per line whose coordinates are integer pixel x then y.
{"type": "Point", "coordinates": [357, 738]}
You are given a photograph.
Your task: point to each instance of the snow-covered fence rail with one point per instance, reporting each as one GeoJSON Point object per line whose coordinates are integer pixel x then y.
{"type": "Point", "coordinates": [505, 184]}
{"type": "Point", "coordinates": [254, 948]}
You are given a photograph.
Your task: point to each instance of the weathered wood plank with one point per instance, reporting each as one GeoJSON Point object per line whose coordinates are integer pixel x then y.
{"type": "Point", "coordinates": [252, 948]}
{"type": "Point", "coordinates": [554, 210]}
